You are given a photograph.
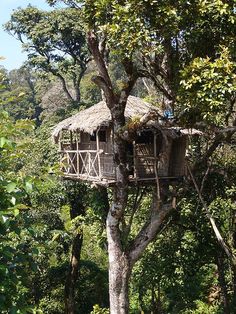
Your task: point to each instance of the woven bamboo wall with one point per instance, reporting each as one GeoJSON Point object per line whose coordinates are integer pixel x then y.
{"type": "Point", "coordinates": [177, 157]}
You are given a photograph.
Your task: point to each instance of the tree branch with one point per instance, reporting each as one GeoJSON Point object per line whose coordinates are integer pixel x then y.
{"type": "Point", "coordinates": [221, 136]}
{"type": "Point", "coordinates": [136, 204]}
{"type": "Point", "coordinates": [218, 235]}
{"type": "Point", "coordinates": [103, 80]}
{"type": "Point", "coordinates": [64, 86]}
{"type": "Point", "coordinates": [149, 231]}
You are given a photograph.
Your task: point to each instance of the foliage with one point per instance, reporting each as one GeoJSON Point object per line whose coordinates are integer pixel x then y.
{"type": "Point", "coordinates": [98, 310]}
{"type": "Point", "coordinates": [90, 93]}
{"type": "Point", "coordinates": [16, 259]}
{"type": "Point", "coordinates": [203, 308]}
{"type": "Point", "coordinates": [22, 101]}
{"type": "Point", "coordinates": [208, 89]}
{"type": "Point", "coordinates": [55, 43]}
{"type": "Point", "coordinates": [187, 50]}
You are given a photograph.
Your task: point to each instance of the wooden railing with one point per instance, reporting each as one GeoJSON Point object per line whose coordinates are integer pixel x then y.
{"type": "Point", "coordinates": [87, 163]}
{"type": "Point", "coordinates": [97, 166]}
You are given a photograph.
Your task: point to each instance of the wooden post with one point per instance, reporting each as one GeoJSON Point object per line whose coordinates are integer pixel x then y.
{"type": "Point", "coordinates": [135, 161]}
{"type": "Point", "coordinates": [155, 151]}
{"type": "Point", "coordinates": [71, 139]}
{"type": "Point", "coordinates": [155, 166]}
{"type": "Point", "coordinates": [113, 161]}
{"type": "Point", "coordinates": [98, 154]}
{"type": "Point", "coordinates": [60, 140]}
{"type": "Point", "coordinates": [77, 152]}
{"type": "Point", "coordinates": [60, 150]}
{"type": "Point", "coordinates": [89, 163]}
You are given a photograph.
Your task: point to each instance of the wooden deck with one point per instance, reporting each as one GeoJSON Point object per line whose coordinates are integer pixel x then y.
{"type": "Point", "coordinates": [98, 167]}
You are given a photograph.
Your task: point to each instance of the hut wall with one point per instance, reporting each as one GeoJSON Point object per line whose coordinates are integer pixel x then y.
{"type": "Point", "coordinates": [164, 158]}
{"type": "Point", "coordinates": [85, 143]}
{"type": "Point", "coordinates": [105, 160]}
{"type": "Point", "coordinates": [92, 158]}
{"type": "Point", "coordinates": [177, 157]}
{"type": "Point", "coordinates": [144, 161]}
{"type": "Point", "coordinates": [88, 142]}
{"type": "Point", "coordinates": [150, 155]}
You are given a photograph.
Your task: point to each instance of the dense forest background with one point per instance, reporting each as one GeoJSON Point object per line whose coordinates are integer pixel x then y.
{"type": "Point", "coordinates": [184, 270]}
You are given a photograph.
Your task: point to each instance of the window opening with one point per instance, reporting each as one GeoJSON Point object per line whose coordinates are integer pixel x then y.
{"type": "Point", "coordinates": [145, 137]}
{"type": "Point", "coordinates": [93, 137]}
{"type": "Point", "coordinates": [101, 135]}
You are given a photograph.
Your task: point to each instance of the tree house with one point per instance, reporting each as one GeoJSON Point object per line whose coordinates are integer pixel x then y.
{"type": "Point", "coordinates": [86, 146]}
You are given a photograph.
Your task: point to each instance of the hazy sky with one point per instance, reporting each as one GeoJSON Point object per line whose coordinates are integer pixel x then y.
{"type": "Point", "coordinates": [10, 48]}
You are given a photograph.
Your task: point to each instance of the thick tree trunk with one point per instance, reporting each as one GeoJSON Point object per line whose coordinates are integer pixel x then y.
{"type": "Point", "coordinates": [121, 258]}
{"type": "Point", "coordinates": [119, 271]}
{"type": "Point", "coordinates": [119, 265]}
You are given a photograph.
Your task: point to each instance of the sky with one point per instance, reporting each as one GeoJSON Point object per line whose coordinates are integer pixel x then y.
{"type": "Point", "coordinates": [10, 48]}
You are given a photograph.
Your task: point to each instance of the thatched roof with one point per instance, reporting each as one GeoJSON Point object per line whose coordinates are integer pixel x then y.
{"type": "Point", "coordinates": [89, 120]}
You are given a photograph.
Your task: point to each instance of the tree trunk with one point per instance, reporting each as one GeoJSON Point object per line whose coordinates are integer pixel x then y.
{"type": "Point", "coordinates": [75, 195]}
{"type": "Point", "coordinates": [224, 293]}
{"type": "Point", "coordinates": [72, 275]}
{"type": "Point", "coordinates": [119, 265]}
{"type": "Point", "coordinates": [121, 258]}
{"type": "Point", "coordinates": [233, 269]}
{"type": "Point", "coordinates": [233, 303]}
{"type": "Point", "coordinates": [119, 271]}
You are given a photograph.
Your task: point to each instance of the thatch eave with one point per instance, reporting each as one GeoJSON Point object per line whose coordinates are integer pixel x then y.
{"type": "Point", "coordinates": [97, 116]}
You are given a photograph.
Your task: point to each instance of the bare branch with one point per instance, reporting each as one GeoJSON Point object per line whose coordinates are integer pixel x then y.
{"type": "Point", "coordinates": [221, 136]}
{"type": "Point", "coordinates": [149, 231]}
{"type": "Point", "coordinates": [136, 204]}
{"type": "Point", "coordinates": [218, 235]}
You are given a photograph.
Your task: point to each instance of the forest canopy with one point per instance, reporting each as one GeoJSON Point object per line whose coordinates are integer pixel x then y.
{"type": "Point", "coordinates": [69, 247]}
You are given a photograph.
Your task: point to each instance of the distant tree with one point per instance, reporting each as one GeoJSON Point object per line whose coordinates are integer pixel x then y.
{"type": "Point", "coordinates": [55, 43]}
{"type": "Point", "coordinates": [21, 94]}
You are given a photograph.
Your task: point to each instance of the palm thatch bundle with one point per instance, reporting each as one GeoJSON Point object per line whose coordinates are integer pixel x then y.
{"type": "Point", "coordinates": [89, 120]}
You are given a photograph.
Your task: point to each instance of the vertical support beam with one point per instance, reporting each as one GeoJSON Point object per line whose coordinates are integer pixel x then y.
{"type": "Point", "coordinates": [97, 139]}
{"type": "Point", "coordinates": [98, 154]}
{"type": "Point", "coordinates": [60, 141]}
{"type": "Point", "coordinates": [60, 149]}
{"type": "Point", "coordinates": [71, 154]}
{"type": "Point", "coordinates": [113, 161]}
{"type": "Point", "coordinates": [135, 161]}
{"type": "Point", "coordinates": [77, 152]}
{"type": "Point", "coordinates": [89, 163]}
{"type": "Point", "coordinates": [155, 152]}
{"type": "Point", "coordinates": [155, 167]}
{"type": "Point", "coordinates": [71, 139]}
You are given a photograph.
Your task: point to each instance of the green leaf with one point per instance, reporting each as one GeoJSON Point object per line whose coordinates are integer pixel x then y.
{"type": "Point", "coordinates": [55, 237]}
{"type": "Point", "coordinates": [13, 200]}
{"type": "Point", "coordinates": [11, 187]}
{"type": "Point", "coordinates": [16, 212]}
{"type": "Point", "coordinates": [21, 94]}
{"type": "Point", "coordinates": [28, 186]}
{"type": "Point", "coordinates": [3, 141]}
